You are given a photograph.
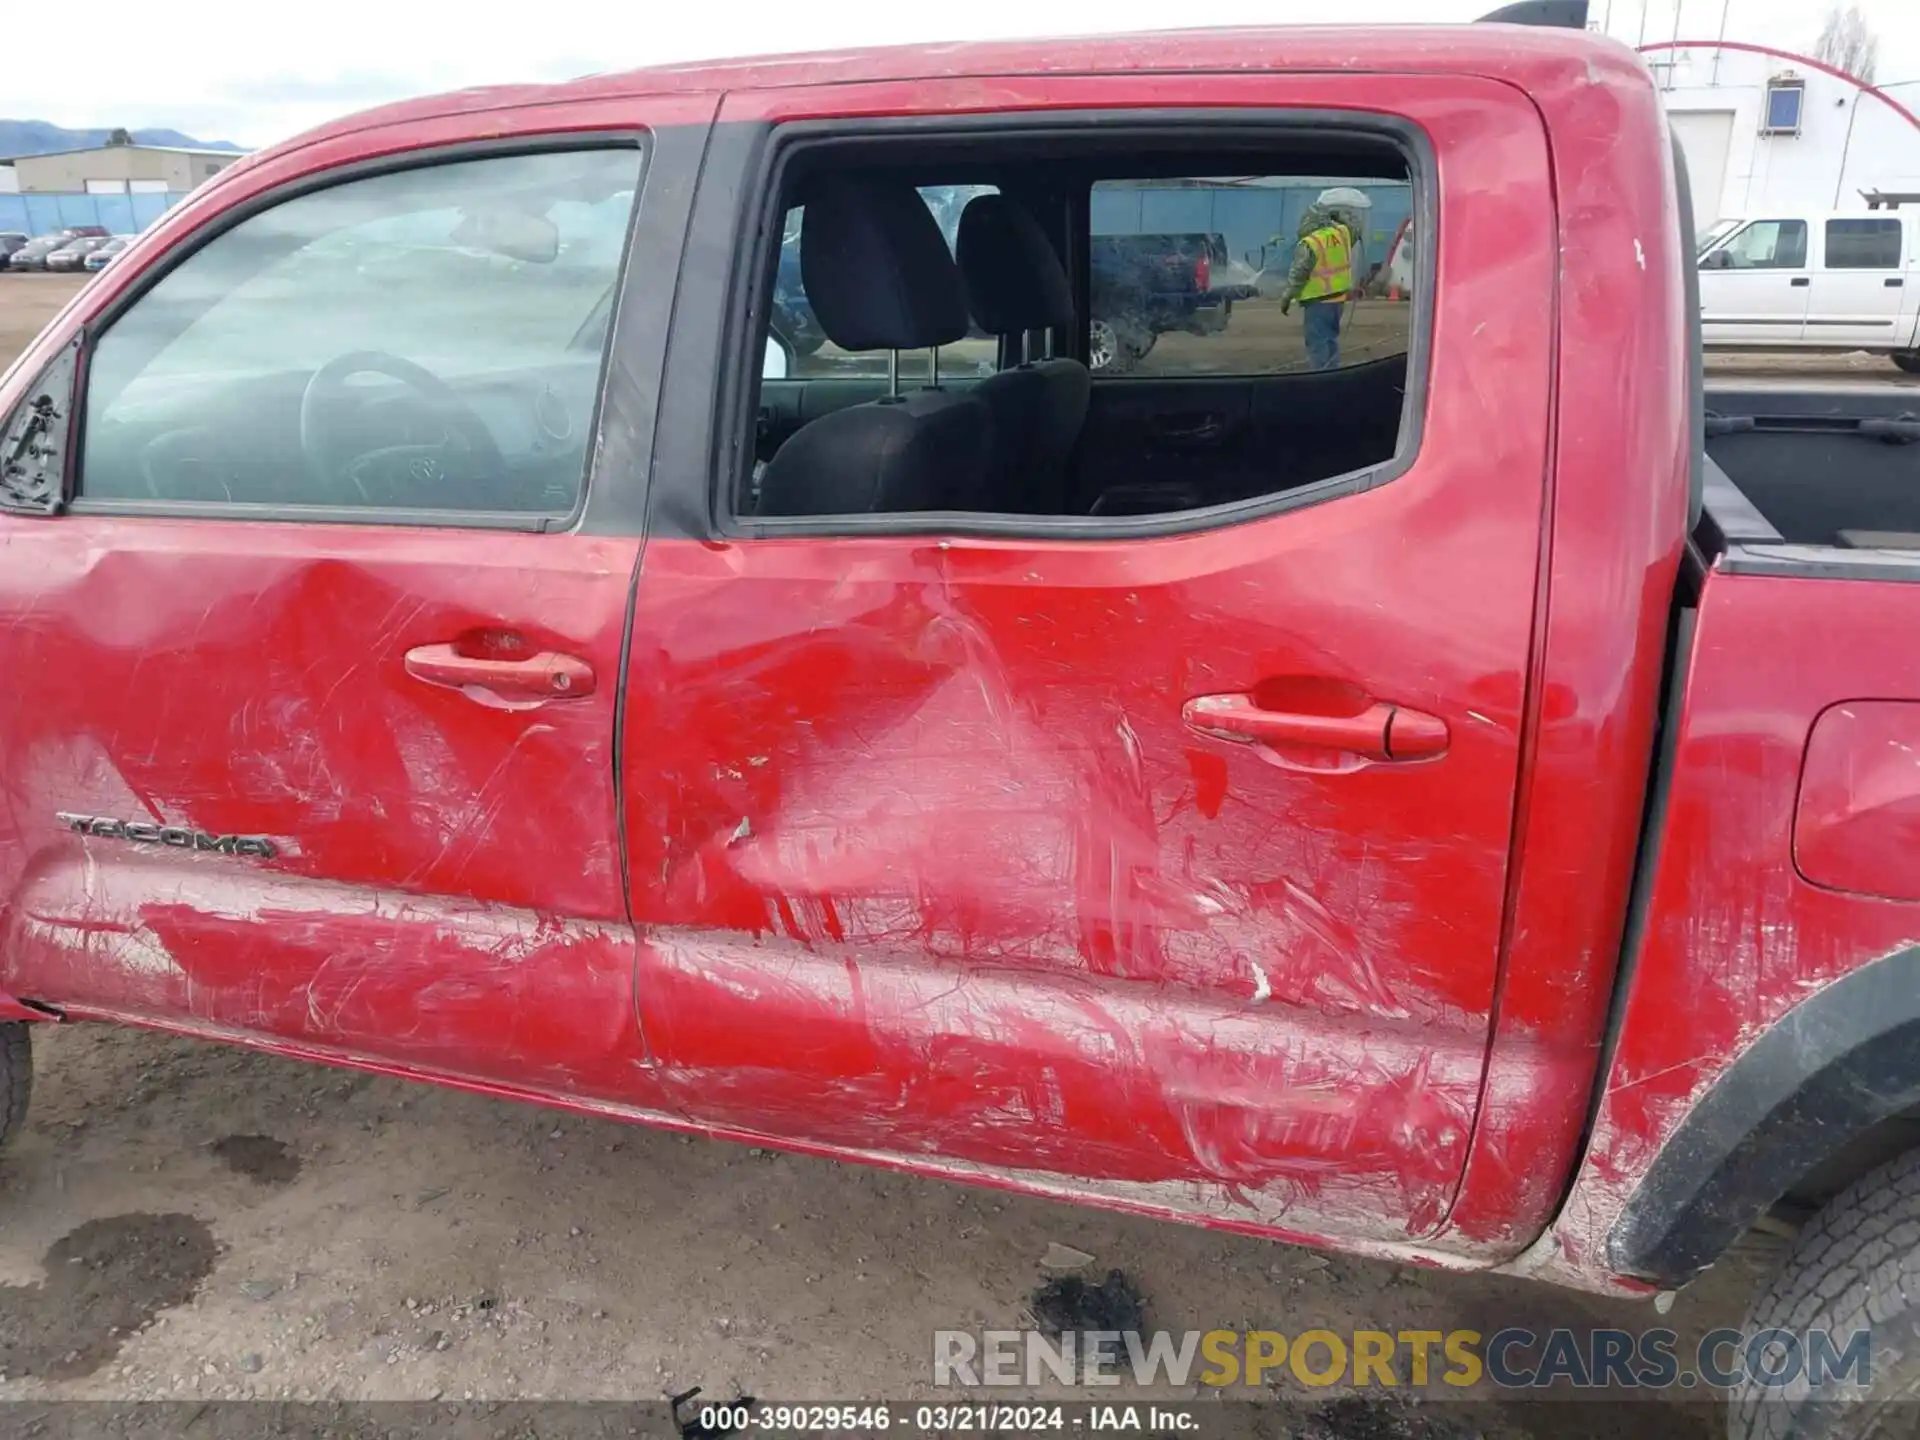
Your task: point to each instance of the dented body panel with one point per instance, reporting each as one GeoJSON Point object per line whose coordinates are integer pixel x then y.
{"type": "Point", "coordinates": [928, 858]}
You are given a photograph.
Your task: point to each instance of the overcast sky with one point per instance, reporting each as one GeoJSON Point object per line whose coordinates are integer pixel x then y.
{"type": "Point", "coordinates": [222, 70]}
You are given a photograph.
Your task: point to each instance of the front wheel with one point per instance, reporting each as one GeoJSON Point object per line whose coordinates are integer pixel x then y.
{"type": "Point", "coordinates": [1907, 360]}
{"type": "Point", "coordinates": [1854, 1269]}
{"type": "Point", "coordinates": [16, 1077]}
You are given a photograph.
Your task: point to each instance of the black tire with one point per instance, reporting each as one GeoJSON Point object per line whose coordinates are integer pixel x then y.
{"type": "Point", "coordinates": [1907, 360]}
{"type": "Point", "coordinates": [16, 1078]}
{"type": "Point", "coordinates": [1856, 1266]}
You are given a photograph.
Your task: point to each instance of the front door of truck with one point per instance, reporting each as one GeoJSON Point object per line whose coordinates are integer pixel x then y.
{"type": "Point", "coordinates": [1754, 289]}
{"type": "Point", "coordinates": [1159, 862]}
{"type": "Point", "coordinates": [312, 683]}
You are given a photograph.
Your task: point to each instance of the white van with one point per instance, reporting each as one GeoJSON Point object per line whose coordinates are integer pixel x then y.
{"type": "Point", "coordinates": [1819, 282]}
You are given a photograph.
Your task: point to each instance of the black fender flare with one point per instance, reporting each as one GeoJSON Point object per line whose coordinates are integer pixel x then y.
{"type": "Point", "coordinates": [1839, 1062]}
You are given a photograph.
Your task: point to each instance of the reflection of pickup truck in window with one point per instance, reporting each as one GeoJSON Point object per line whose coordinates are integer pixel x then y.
{"type": "Point", "coordinates": [1143, 286]}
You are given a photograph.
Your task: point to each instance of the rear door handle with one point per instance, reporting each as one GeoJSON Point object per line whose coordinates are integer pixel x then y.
{"type": "Point", "coordinates": [1382, 732]}
{"type": "Point", "coordinates": [1894, 282]}
{"type": "Point", "coordinates": [1799, 281]}
{"type": "Point", "coordinates": [512, 682]}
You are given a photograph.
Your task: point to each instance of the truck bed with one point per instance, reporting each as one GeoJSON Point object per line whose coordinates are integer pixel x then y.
{"type": "Point", "coordinates": [1833, 472]}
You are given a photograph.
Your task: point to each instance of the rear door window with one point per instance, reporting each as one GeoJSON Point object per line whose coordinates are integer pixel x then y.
{"type": "Point", "coordinates": [1865, 244]}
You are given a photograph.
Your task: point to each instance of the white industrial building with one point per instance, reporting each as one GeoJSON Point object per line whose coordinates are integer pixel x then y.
{"type": "Point", "coordinates": [1769, 132]}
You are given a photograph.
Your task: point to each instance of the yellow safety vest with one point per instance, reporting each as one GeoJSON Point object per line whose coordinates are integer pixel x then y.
{"type": "Point", "coordinates": [1332, 265]}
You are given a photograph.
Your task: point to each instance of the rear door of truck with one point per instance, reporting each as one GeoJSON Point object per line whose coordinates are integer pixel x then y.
{"type": "Point", "coordinates": [932, 862]}
{"type": "Point", "coordinates": [1860, 294]}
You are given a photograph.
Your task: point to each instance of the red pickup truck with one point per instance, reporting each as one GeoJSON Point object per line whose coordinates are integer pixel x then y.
{"type": "Point", "coordinates": [1458, 805]}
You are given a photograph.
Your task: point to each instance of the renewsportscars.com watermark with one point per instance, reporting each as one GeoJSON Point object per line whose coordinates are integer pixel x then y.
{"type": "Point", "coordinates": [1509, 1359]}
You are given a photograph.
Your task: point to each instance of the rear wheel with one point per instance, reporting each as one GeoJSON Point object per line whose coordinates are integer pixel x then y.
{"type": "Point", "coordinates": [1907, 360]}
{"type": "Point", "coordinates": [16, 1078]}
{"type": "Point", "coordinates": [1855, 1267]}
{"type": "Point", "coordinates": [1107, 352]}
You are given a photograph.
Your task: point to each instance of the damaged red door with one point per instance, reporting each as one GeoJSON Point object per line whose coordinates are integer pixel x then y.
{"type": "Point", "coordinates": [1168, 871]}
{"type": "Point", "coordinates": [318, 744]}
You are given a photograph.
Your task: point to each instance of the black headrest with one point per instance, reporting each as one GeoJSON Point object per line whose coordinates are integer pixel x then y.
{"type": "Point", "coordinates": [876, 267]}
{"type": "Point", "coordinates": [1014, 280]}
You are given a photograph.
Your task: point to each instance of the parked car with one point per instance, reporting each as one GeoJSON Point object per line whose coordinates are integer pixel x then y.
{"type": "Point", "coordinates": [1459, 807]}
{"type": "Point", "coordinates": [10, 242]}
{"type": "Point", "coordinates": [33, 254]}
{"type": "Point", "coordinates": [73, 232]}
{"type": "Point", "coordinates": [1144, 285]}
{"type": "Point", "coordinates": [73, 253]}
{"type": "Point", "coordinates": [1815, 282]}
{"type": "Point", "coordinates": [102, 257]}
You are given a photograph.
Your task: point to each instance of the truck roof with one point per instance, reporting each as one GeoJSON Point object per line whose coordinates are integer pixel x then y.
{"type": "Point", "coordinates": [1532, 57]}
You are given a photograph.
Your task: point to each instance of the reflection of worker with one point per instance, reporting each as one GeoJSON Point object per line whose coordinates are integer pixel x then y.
{"type": "Point", "coordinates": [1326, 261]}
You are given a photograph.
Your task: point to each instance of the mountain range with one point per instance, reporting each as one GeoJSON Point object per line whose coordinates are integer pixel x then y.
{"type": "Point", "coordinates": [37, 137]}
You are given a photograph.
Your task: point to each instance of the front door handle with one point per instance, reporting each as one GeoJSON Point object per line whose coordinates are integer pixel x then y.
{"type": "Point", "coordinates": [1800, 281]}
{"type": "Point", "coordinates": [1382, 732]}
{"type": "Point", "coordinates": [510, 680]}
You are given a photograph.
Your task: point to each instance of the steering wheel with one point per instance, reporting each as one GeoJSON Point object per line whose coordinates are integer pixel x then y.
{"type": "Point", "coordinates": [411, 465]}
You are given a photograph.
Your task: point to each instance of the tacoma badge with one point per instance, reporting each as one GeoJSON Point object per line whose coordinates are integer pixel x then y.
{"type": "Point", "coordinates": [179, 836]}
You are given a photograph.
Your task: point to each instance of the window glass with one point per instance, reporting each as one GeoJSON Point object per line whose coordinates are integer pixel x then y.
{"type": "Point", "coordinates": [1199, 278]}
{"type": "Point", "coordinates": [811, 355]}
{"type": "Point", "coordinates": [425, 339]}
{"type": "Point", "coordinates": [1783, 107]}
{"type": "Point", "coordinates": [1768, 245]}
{"type": "Point", "coordinates": [1863, 244]}
{"type": "Point", "coordinates": [1249, 274]}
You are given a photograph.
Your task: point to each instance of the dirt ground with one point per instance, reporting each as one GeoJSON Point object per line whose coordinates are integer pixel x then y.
{"type": "Point", "coordinates": [186, 1222]}
{"type": "Point", "coordinates": [27, 303]}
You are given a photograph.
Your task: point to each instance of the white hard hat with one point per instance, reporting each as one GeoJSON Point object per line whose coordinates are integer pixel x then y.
{"type": "Point", "coordinates": [1345, 197]}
